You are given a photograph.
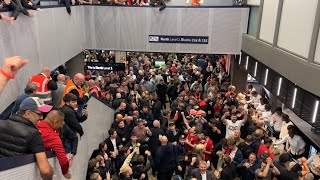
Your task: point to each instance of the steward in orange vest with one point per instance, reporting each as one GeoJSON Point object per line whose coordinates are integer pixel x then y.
{"type": "Point", "coordinates": [45, 85]}
{"type": "Point", "coordinates": [94, 90]}
{"type": "Point", "coordinates": [75, 88]}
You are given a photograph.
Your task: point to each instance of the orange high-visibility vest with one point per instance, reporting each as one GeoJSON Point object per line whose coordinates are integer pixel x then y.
{"type": "Point", "coordinates": [69, 87]}
{"type": "Point", "coordinates": [43, 91]}
{"type": "Point", "coordinates": [94, 90]}
{"type": "Point", "coordinates": [195, 2]}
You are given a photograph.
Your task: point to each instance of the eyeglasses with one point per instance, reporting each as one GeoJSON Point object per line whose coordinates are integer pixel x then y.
{"type": "Point", "coordinates": [38, 113]}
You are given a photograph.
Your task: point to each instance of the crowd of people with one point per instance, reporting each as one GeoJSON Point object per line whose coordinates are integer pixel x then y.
{"type": "Point", "coordinates": [183, 120]}
{"type": "Point", "coordinates": [186, 120]}
{"type": "Point", "coordinates": [24, 6]}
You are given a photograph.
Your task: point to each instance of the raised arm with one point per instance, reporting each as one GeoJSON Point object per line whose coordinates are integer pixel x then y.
{"type": "Point", "coordinates": [10, 68]}
{"type": "Point", "coordinates": [185, 120]}
{"type": "Point", "coordinates": [245, 118]}
{"type": "Point", "coordinates": [266, 170]}
{"type": "Point", "coordinates": [223, 118]}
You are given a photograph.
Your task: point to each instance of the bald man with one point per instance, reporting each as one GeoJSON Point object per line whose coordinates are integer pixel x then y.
{"type": "Point", "coordinates": [45, 85]}
{"type": "Point", "coordinates": [165, 160]}
{"type": "Point", "coordinates": [154, 140]}
{"type": "Point", "coordinates": [74, 86]}
{"type": "Point", "coordinates": [57, 95]}
{"type": "Point", "coordinates": [51, 140]}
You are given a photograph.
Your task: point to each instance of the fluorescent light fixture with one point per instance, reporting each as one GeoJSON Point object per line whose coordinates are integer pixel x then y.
{"type": "Point", "coordinates": [240, 58]}
{"type": "Point", "coordinates": [279, 86]}
{"type": "Point", "coordinates": [294, 97]}
{"type": "Point", "coordinates": [315, 112]}
{"type": "Point", "coordinates": [266, 77]}
{"type": "Point", "coordinates": [255, 69]}
{"type": "Point", "coordinates": [247, 62]}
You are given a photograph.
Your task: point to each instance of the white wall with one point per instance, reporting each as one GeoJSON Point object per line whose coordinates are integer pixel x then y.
{"type": "Point", "coordinates": [268, 21]}
{"type": "Point", "coordinates": [128, 28]}
{"type": "Point", "coordinates": [296, 26]}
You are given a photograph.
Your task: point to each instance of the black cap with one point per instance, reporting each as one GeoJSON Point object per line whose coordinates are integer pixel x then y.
{"type": "Point", "coordinates": [182, 137]}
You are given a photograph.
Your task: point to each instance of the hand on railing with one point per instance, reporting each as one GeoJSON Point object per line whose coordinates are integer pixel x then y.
{"type": "Point", "coordinates": [39, 9]}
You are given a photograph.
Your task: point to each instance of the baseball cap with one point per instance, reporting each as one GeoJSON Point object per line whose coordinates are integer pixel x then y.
{"type": "Point", "coordinates": [31, 103]}
{"type": "Point", "coordinates": [171, 123]}
{"type": "Point", "coordinates": [182, 137]}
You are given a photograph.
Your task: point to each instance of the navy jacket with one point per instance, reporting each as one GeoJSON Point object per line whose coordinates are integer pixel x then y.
{"type": "Point", "coordinates": [248, 173]}
{"type": "Point", "coordinates": [237, 158]}
{"type": "Point", "coordinates": [154, 142]}
{"type": "Point", "coordinates": [148, 117]}
{"type": "Point", "coordinates": [180, 151]}
{"type": "Point", "coordinates": [165, 160]}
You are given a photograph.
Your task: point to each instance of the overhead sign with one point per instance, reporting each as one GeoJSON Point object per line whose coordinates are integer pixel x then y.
{"type": "Point", "coordinates": [179, 39]}
{"type": "Point", "coordinates": [103, 66]}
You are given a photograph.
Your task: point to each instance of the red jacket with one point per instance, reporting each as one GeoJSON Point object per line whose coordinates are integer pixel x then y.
{"type": "Point", "coordinates": [208, 147]}
{"type": "Point", "coordinates": [52, 141]}
{"type": "Point", "coordinates": [262, 148]}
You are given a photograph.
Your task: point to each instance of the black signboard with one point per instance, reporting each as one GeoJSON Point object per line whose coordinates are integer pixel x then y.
{"type": "Point", "coordinates": [179, 39]}
{"type": "Point", "coordinates": [102, 66]}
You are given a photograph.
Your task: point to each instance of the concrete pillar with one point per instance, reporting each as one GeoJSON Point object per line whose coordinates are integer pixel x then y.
{"type": "Point", "coordinates": [75, 65]}
{"type": "Point", "coordinates": [238, 76]}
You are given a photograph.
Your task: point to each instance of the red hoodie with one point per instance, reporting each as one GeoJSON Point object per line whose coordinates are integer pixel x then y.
{"type": "Point", "coordinates": [53, 142]}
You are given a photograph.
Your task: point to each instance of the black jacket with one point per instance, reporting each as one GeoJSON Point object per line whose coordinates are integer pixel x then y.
{"type": "Point", "coordinates": [71, 119]}
{"type": "Point", "coordinates": [123, 133]}
{"type": "Point", "coordinates": [122, 177]}
{"type": "Point", "coordinates": [69, 139]}
{"type": "Point", "coordinates": [161, 91]}
{"type": "Point", "coordinates": [245, 149]}
{"type": "Point", "coordinates": [116, 103]}
{"type": "Point", "coordinates": [180, 151]}
{"type": "Point", "coordinates": [110, 145]}
{"type": "Point", "coordinates": [156, 110]}
{"type": "Point", "coordinates": [19, 136]}
{"type": "Point", "coordinates": [154, 142]}
{"type": "Point", "coordinates": [165, 160]}
{"type": "Point", "coordinates": [173, 138]}
{"type": "Point", "coordinates": [229, 172]}
{"type": "Point", "coordinates": [138, 170]}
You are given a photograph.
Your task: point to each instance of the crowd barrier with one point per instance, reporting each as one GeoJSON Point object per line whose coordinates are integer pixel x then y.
{"type": "Point", "coordinates": [96, 130]}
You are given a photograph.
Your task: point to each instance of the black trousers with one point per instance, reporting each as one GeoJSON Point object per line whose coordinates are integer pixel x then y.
{"type": "Point", "coordinates": [21, 8]}
{"type": "Point", "coordinates": [165, 175]}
